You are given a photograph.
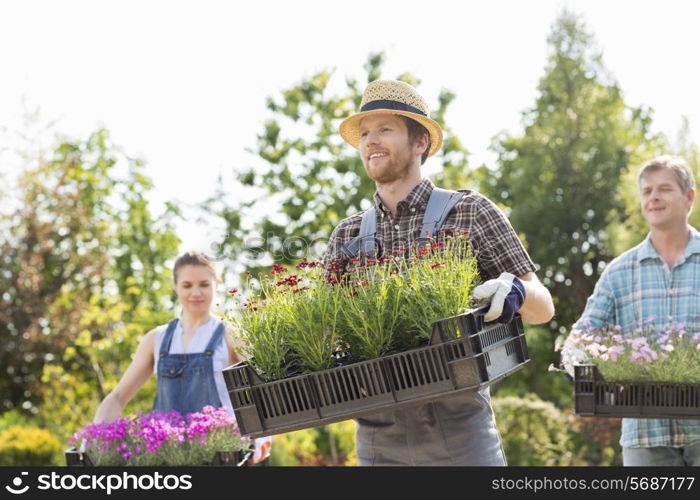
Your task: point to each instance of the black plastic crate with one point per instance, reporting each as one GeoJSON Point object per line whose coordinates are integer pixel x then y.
{"type": "Point", "coordinates": [464, 354]}
{"type": "Point", "coordinates": [341, 390]}
{"type": "Point", "coordinates": [480, 353]}
{"type": "Point", "coordinates": [595, 396]}
{"type": "Point", "coordinates": [262, 408]}
{"type": "Point", "coordinates": [239, 458]}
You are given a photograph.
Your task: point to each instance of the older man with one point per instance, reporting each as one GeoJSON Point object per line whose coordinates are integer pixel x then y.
{"type": "Point", "coordinates": [659, 278]}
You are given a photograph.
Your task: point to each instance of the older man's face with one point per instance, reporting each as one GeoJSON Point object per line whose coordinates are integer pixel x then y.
{"type": "Point", "coordinates": [664, 204]}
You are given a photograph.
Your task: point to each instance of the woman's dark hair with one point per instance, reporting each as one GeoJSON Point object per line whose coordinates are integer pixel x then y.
{"type": "Point", "coordinates": [192, 258]}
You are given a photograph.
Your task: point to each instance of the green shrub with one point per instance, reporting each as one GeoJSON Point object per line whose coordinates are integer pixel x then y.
{"type": "Point", "coordinates": [23, 445]}
{"type": "Point", "coordinates": [330, 445]}
{"type": "Point", "coordinates": [534, 432]}
{"type": "Point", "coordinates": [537, 433]}
{"type": "Point", "coordinates": [597, 441]}
{"type": "Point", "coordinates": [12, 417]}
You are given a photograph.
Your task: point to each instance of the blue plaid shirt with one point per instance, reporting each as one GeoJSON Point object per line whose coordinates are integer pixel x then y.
{"type": "Point", "coordinates": [635, 287]}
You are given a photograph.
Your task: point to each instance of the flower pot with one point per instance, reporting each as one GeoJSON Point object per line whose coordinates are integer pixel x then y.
{"type": "Point", "coordinates": [464, 354]}
{"type": "Point", "coordinates": [595, 396]}
{"type": "Point", "coordinates": [234, 458]}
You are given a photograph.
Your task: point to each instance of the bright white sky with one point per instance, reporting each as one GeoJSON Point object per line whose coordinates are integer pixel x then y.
{"type": "Point", "coordinates": [183, 84]}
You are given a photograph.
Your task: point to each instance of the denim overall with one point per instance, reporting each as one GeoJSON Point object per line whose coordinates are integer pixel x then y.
{"type": "Point", "coordinates": [186, 381]}
{"type": "Point", "coordinates": [459, 430]}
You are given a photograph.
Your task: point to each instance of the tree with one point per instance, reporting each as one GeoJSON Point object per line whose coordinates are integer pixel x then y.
{"type": "Point", "coordinates": [79, 243]}
{"type": "Point", "coordinates": [560, 177]}
{"type": "Point", "coordinates": [311, 177]}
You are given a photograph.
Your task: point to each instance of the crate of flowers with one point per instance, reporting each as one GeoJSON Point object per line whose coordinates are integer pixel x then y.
{"type": "Point", "coordinates": [326, 344]}
{"type": "Point", "coordinates": [648, 373]}
{"type": "Point", "coordinates": [209, 437]}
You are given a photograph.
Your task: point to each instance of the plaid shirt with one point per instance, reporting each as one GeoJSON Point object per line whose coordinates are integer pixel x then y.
{"type": "Point", "coordinates": [637, 286]}
{"type": "Point", "coordinates": [497, 246]}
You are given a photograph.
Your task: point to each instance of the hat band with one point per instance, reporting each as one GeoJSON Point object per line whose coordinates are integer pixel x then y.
{"type": "Point", "coordinates": [392, 105]}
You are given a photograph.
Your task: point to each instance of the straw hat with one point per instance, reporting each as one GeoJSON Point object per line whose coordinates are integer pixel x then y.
{"type": "Point", "coordinates": [395, 97]}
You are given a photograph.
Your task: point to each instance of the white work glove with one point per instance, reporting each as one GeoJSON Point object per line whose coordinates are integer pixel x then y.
{"type": "Point", "coordinates": [506, 294]}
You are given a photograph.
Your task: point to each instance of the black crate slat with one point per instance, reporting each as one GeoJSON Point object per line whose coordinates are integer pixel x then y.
{"type": "Point", "coordinates": [633, 399]}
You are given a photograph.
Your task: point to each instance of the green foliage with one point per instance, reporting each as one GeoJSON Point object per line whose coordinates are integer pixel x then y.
{"type": "Point", "coordinates": [12, 417]}
{"type": "Point", "coordinates": [308, 172]}
{"type": "Point", "coordinates": [534, 376]}
{"type": "Point", "coordinates": [331, 445]}
{"type": "Point", "coordinates": [596, 441]}
{"type": "Point", "coordinates": [301, 317]}
{"type": "Point", "coordinates": [84, 276]}
{"type": "Point", "coordinates": [560, 178]}
{"type": "Point", "coordinates": [534, 432]}
{"type": "Point", "coordinates": [537, 433]}
{"type": "Point", "coordinates": [92, 366]}
{"type": "Point", "coordinates": [29, 446]}
{"type": "Point", "coordinates": [80, 240]}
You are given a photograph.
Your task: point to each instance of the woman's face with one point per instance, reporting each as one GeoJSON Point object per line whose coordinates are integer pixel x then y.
{"type": "Point", "coordinates": [195, 288]}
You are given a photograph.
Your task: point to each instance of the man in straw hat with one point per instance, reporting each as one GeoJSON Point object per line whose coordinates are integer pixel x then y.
{"type": "Point", "coordinates": [395, 135]}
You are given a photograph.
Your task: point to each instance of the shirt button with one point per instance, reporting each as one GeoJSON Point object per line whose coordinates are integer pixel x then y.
{"type": "Point", "coordinates": [396, 227]}
{"type": "Point", "coordinates": [413, 209]}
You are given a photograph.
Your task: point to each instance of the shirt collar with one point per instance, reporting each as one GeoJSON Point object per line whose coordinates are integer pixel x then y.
{"type": "Point", "coordinates": [418, 196]}
{"type": "Point", "coordinates": [647, 250]}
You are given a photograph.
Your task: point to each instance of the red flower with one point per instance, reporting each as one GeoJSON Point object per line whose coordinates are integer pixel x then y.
{"type": "Point", "coordinates": [438, 244]}
{"type": "Point", "coordinates": [248, 274]}
{"type": "Point", "coordinates": [233, 291]}
{"type": "Point", "coordinates": [437, 264]}
{"type": "Point", "coordinates": [278, 269]}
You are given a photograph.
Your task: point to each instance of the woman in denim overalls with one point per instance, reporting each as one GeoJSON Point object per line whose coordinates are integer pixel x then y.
{"type": "Point", "coordinates": [187, 354]}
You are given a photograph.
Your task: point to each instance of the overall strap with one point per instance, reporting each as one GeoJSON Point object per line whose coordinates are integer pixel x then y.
{"type": "Point", "coordinates": [440, 203]}
{"type": "Point", "coordinates": [215, 339]}
{"type": "Point", "coordinates": [167, 338]}
{"type": "Point", "coordinates": [364, 243]}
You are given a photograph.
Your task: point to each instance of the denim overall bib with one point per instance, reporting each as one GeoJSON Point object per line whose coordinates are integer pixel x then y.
{"type": "Point", "coordinates": [459, 430]}
{"type": "Point", "coordinates": [186, 381]}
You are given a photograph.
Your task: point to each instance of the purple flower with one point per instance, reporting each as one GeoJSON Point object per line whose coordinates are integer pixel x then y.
{"type": "Point", "coordinates": [148, 434]}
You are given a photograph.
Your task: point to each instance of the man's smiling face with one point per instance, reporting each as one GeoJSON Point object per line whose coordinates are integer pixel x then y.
{"type": "Point", "coordinates": [385, 147]}
{"type": "Point", "coordinates": [663, 202]}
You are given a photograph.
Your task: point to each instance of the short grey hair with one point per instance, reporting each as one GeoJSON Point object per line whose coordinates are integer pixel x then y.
{"type": "Point", "coordinates": [680, 168]}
